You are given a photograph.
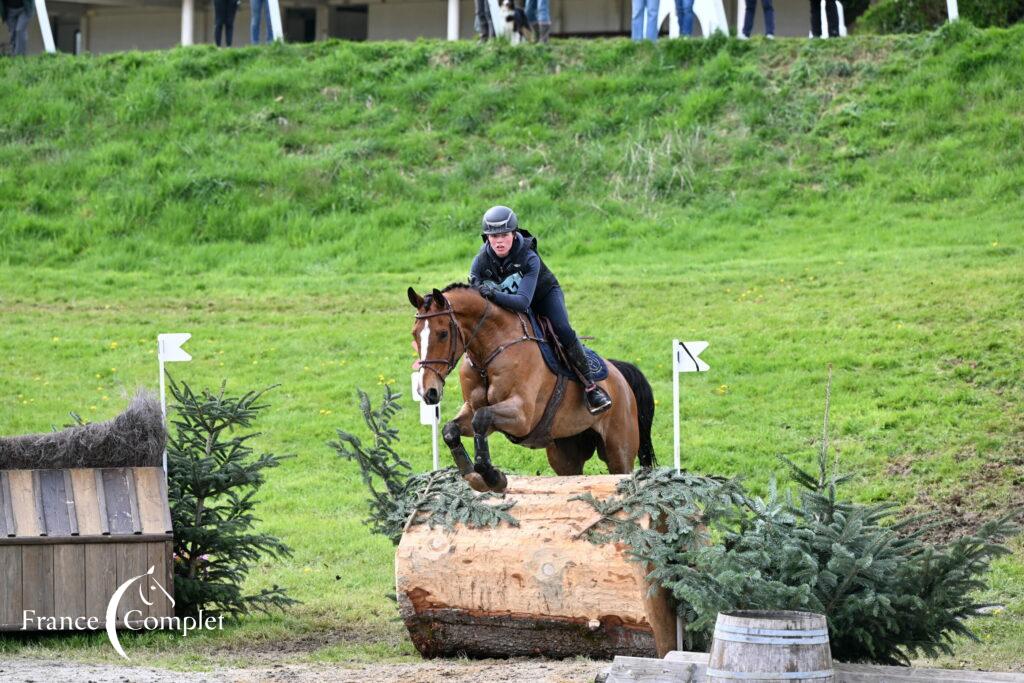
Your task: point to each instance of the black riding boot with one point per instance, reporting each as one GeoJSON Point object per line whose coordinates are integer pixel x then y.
{"type": "Point", "coordinates": [597, 400]}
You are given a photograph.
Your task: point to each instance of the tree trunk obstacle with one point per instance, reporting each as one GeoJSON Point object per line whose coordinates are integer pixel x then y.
{"type": "Point", "coordinates": [539, 589]}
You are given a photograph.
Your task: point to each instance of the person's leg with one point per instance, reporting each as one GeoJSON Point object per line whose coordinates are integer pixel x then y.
{"type": "Point", "coordinates": [769, 17]}
{"type": "Point", "coordinates": [748, 17]}
{"type": "Point", "coordinates": [687, 26]}
{"type": "Point", "coordinates": [544, 19]}
{"type": "Point", "coordinates": [12, 27]}
{"type": "Point", "coordinates": [266, 18]}
{"type": "Point", "coordinates": [531, 18]}
{"type": "Point", "coordinates": [483, 17]}
{"type": "Point", "coordinates": [639, 12]}
{"type": "Point", "coordinates": [229, 22]}
{"type": "Point", "coordinates": [21, 33]}
{"type": "Point", "coordinates": [816, 18]}
{"type": "Point", "coordinates": [218, 20]}
{"type": "Point", "coordinates": [552, 306]}
{"type": "Point", "coordinates": [832, 18]}
{"type": "Point", "coordinates": [652, 19]}
{"type": "Point", "coordinates": [255, 7]}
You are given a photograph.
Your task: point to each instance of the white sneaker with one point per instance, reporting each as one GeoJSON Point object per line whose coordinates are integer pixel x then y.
{"type": "Point", "coordinates": [742, 37]}
{"type": "Point", "coordinates": [769, 36]}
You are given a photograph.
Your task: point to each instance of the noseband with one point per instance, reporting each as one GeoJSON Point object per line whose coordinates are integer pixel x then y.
{"type": "Point", "coordinates": [455, 332]}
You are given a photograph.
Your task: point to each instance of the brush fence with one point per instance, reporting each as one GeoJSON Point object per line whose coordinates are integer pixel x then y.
{"type": "Point", "coordinates": [70, 537]}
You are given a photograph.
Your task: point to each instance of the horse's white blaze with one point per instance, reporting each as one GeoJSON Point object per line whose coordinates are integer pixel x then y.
{"type": "Point", "coordinates": [424, 339]}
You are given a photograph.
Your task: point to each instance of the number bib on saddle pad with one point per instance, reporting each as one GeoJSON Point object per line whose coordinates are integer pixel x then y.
{"type": "Point", "coordinates": [598, 368]}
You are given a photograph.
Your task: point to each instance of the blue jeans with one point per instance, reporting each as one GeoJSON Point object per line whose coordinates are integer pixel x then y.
{"type": "Point", "coordinates": [17, 22]}
{"type": "Point", "coordinates": [650, 31]}
{"type": "Point", "coordinates": [684, 12]}
{"type": "Point", "coordinates": [538, 11]}
{"type": "Point", "coordinates": [769, 17]}
{"type": "Point", "coordinates": [260, 8]}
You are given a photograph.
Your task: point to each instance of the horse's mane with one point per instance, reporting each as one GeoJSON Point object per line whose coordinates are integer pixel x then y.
{"type": "Point", "coordinates": [429, 298]}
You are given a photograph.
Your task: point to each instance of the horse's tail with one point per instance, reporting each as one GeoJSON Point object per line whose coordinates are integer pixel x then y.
{"type": "Point", "coordinates": [644, 408]}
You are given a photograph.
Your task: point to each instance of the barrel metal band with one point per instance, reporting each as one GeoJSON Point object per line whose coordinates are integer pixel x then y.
{"type": "Point", "coordinates": [750, 631]}
{"type": "Point", "coordinates": [769, 640]}
{"type": "Point", "coordinates": [777, 675]}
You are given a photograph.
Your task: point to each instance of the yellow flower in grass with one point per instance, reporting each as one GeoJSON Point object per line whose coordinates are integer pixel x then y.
{"type": "Point", "coordinates": [722, 389]}
{"type": "Point", "coordinates": [113, 346]}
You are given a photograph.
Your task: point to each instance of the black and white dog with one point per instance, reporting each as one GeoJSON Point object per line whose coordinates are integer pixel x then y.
{"type": "Point", "coordinates": [516, 17]}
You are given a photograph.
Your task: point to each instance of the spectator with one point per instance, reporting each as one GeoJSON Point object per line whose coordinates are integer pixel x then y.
{"type": "Point", "coordinates": [483, 21]}
{"type": "Point", "coordinates": [684, 13]}
{"type": "Point", "coordinates": [769, 19]}
{"type": "Point", "coordinates": [538, 12]}
{"type": "Point", "coordinates": [831, 16]}
{"type": "Point", "coordinates": [16, 14]}
{"type": "Point", "coordinates": [260, 10]}
{"type": "Point", "coordinates": [224, 20]}
{"type": "Point", "coordinates": [645, 30]}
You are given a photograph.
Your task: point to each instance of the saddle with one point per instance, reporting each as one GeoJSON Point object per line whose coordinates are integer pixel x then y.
{"type": "Point", "coordinates": [557, 361]}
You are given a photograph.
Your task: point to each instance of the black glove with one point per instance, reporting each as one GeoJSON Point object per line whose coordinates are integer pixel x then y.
{"type": "Point", "coordinates": [488, 289]}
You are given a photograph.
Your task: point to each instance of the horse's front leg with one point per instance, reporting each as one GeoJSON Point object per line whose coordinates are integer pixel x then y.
{"type": "Point", "coordinates": [507, 417]}
{"type": "Point", "coordinates": [462, 425]}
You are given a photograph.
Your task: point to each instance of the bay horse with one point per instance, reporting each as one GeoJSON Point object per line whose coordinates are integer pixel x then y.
{"type": "Point", "coordinates": [508, 388]}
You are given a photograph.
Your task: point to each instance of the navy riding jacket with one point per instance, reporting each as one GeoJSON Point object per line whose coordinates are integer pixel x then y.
{"type": "Point", "coordinates": [522, 275]}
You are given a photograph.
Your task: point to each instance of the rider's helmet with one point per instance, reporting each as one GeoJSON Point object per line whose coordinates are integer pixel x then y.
{"type": "Point", "coordinates": [499, 219]}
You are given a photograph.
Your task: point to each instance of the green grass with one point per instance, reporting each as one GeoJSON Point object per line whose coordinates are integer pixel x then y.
{"type": "Point", "coordinates": [795, 203]}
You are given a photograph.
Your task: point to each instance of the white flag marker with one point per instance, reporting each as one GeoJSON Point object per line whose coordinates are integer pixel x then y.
{"type": "Point", "coordinates": [685, 358]}
{"type": "Point", "coordinates": [416, 394]}
{"type": "Point", "coordinates": [431, 415]}
{"type": "Point", "coordinates": [169, 351]}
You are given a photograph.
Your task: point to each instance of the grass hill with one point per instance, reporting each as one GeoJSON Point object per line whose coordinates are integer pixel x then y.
{"type": "Point", "coordinates": [856, 202]}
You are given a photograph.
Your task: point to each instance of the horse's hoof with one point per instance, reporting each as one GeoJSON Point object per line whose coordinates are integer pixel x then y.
{"type": "Point", "coordinates": [476, 482]}
{"type": "Point", "coordinates": [501, 483]}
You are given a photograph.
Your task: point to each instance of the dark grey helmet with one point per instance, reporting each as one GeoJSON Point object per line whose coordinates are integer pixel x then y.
{"type": "Point", "coordinates": [499, 219]}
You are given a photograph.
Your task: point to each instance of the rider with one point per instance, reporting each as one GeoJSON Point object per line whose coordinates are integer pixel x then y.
{"type": "Point", "coordinates": [508, 271]}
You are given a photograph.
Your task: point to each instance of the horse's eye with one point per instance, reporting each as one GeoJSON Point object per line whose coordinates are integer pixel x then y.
{"type": "Point", "coordinates": [442, 335]}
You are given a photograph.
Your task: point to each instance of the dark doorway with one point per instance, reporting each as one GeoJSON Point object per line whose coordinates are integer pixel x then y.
{"type": "Point", "coordinates": [350, 22]}
{"type": "Point", "coordinates": [299, 25]}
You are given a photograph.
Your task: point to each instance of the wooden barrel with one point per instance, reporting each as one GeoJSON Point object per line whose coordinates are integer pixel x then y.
{"type": "Point", "coordinates": [535, 589]}
{"type": "Point", "coordinates": [756, 646]}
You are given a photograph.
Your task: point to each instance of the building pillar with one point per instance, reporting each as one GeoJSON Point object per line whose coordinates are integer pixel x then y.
{"type": "Point", "coordinates": [44, 26]}
{"type": "Point", "coordinates": [276, 25]}
{"type": "Point", "coordinates": [453, 19]}
{"type": "Point", "coordinates": [323, 20]}
{"type": "Point", "coordinates": [187, 14]}
{"type": "Point", "coordinates": [84, 29]}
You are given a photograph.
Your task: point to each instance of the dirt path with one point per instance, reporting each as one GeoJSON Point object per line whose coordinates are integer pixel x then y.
{"type": "Point", "coordinates": [448, 671]}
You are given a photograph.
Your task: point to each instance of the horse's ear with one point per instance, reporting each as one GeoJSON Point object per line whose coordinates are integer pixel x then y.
{"type": "Point", "coordinates": [438, 296]}
{"type": "Point", "coordinates": [415, 299]}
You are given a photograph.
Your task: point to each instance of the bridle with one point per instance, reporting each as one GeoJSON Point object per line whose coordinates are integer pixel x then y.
{"type": "Point", "coordinates": [454, 332]}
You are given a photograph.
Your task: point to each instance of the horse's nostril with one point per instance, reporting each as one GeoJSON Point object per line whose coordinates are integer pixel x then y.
{"type": "Point", "coordinates": [431, 396]}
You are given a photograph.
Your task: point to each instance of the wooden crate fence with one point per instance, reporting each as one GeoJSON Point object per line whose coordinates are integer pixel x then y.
{"type": "Point", "coordinates": [70, 537]}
